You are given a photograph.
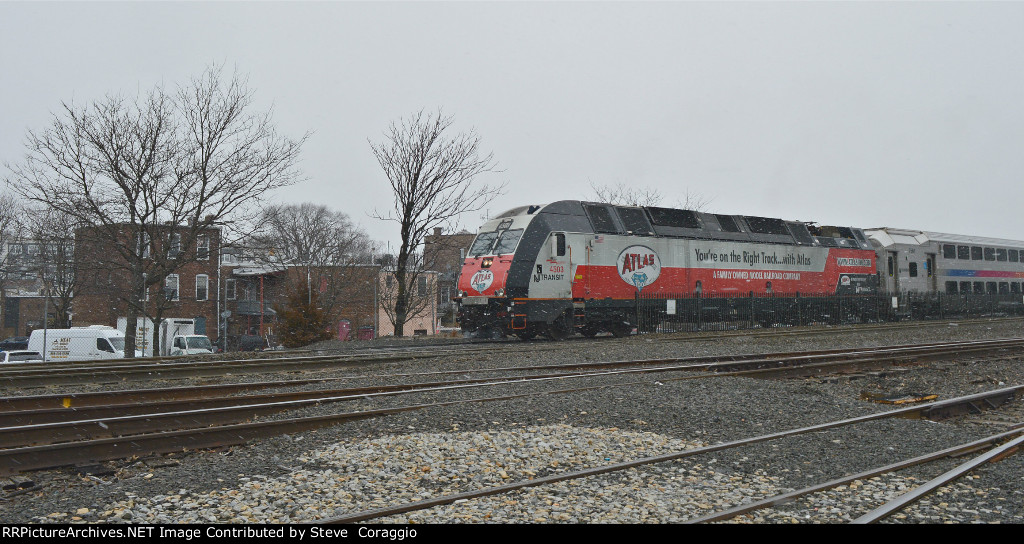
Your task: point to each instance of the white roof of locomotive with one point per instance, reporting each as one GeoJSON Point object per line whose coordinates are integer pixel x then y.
{"type": "Point", "coordinates": [887, 237]}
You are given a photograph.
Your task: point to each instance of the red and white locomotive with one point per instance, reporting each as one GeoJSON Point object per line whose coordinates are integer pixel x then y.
{"type": "Point", "coordinates": [574, 266]}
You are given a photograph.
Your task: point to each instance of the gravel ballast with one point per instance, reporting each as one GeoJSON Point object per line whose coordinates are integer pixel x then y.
{"type": "Point", "coordinates": [445, 450]}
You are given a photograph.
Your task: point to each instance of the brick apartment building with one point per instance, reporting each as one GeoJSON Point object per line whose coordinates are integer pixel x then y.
{"type": "Point", "coordinates": [227, 291]}
{"type": "Point", "coordinates": [188, 291]}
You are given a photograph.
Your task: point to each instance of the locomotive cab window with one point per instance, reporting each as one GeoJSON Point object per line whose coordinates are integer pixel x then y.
{"type": "Point", "coordinates": [558, 244]}
{"type": "Point", "coordinates": [482, 244]}
{"type": "Point", "coordinates": [508, 241]}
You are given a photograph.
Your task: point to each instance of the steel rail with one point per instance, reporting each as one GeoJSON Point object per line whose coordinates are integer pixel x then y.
{"type": "Point", "coordinates": [784, 498]}
{"type": "Point", "coordinates": [910, 497]}
{"type": "Point", "coordinates": [130, 396]}
{"type": "Point", "coordinates": [30, 375]}
{"type": "Point", "coordinates": [496, 490]}
{"type": "Point", "coordinates": [17, 460]}
{"type": "Point", "coordinates": [103, 422]}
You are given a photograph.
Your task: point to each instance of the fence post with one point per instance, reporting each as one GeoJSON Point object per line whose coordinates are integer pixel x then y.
{"type": "Point", "coordinates": [636, 309]}
{"type": "Point", "coordinates": [751, 310]}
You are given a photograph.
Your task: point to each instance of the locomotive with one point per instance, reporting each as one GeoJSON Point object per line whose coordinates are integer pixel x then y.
{"type": "Point", "coordinates": [574, 266]}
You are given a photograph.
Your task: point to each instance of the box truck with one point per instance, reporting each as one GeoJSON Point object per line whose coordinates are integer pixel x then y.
{"type": "Point", "coordinates": [177, 337]}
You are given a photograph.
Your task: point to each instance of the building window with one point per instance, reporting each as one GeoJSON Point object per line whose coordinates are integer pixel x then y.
{"type": "Point", "coordinates": [202, 287]}
{"type": "Point", "coordinates": [229, 289]}
{"type": "Point", "coordinates": [203, 247]}
{"type": "Point", "coordinates": [171, 287]}
{"type": "Point", "coordinates": [143, 245]}
{"type": "Point", "coordinates": [175, 247]}
{"type": "Point", "coordinates": [421, 286]}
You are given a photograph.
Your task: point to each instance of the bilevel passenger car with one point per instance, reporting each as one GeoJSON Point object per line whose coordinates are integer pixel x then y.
{"type": "Point", "coordinates": [933, 262]}
{"type": "Point", "coordinates": [574, 266]}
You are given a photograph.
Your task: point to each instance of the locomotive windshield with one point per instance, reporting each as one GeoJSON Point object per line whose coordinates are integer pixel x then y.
{"type": "Point", "coordinates": [508, 241]}
{"type": "Point", "coordinates": [493, 243]}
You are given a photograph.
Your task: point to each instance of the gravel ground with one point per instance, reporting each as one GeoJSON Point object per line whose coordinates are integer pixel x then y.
{"type": "Point", "coordinates": [443, 450]}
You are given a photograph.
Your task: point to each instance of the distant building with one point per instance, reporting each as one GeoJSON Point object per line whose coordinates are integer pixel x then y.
{"type": "Point", "coordinates": [104, 285]}
{"type": "Point", "coordinates": [445, 253]}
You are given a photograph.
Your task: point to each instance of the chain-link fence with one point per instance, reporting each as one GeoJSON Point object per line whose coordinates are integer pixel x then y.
{"type": "Point", "coordinates": [692, 312]}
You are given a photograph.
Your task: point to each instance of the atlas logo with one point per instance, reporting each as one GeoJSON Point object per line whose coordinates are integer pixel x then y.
{"type": "Point", "coordinates": [638, 266]}
{"type": "Point", "coordinates": [482, 280]}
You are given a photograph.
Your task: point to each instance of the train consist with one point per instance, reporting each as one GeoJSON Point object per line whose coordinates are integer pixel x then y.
{"type": "Point", "coordinates": [574, 266]}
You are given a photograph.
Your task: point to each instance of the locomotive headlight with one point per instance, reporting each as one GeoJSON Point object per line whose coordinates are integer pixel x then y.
{"type": "Point", "coordinates": [500, 292]}
{"type": "Point", "coordinates": [487, 262]}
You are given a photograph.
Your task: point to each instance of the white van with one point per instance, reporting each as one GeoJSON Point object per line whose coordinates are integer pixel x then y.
{"type": "Point", "coordinates": [78, 343]}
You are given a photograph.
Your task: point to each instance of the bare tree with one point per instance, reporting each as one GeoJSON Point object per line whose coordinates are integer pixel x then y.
{"type": "Point", "coordinates": [317, 244]}
{"type": "Point", "coordinates": [150, 176]}
{"type": "Point", "coordinates": [433, 176]}
{"type": "Point", "coordinates": [54, 233]}
{"type": "Point", "coordinates": [10, 231]}
{"type": "Point", "coordinates": [626, 195]}
{"type": "Point", "coordinates": [642, 195]}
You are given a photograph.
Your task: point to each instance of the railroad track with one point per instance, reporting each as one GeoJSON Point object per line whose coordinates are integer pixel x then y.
{"type": "Point", "coordinates": [83, 430]}
{"type": "Point", "coordinates": [996, 446]}
{"type": "Point", "coordinates": [25, 376]}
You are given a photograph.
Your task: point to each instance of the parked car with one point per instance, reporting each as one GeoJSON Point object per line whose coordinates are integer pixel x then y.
{"type": "Point", "coordinates": [14, 342]}
{"type": "Point", "coordinates": [250, 342]}
{"type": "Point", "coordinates": [20, 356]}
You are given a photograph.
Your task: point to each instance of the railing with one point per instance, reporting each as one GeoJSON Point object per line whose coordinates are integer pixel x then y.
{"type": "Point", "coordinates": [691, 312]}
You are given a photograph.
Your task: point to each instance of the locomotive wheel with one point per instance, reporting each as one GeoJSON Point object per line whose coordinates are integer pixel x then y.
{"type": "Point", "coordinates": [557, 331]}
{"type": "Point", "coordinates": [527, 335]}
{"type": "Point", "coordinates": [589, 332]}
{"type": "Point", "coordinates": [620, 330]}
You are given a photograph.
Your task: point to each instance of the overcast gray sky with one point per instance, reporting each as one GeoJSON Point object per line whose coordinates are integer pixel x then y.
{"type": "Point", "coordinates": [866, 114]}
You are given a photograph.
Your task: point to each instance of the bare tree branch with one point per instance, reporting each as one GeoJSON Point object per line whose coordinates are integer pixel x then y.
{"type": "Point", "coordinates": [433, 177]}
{"type": "Point", "coordinates": [129, 169]}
